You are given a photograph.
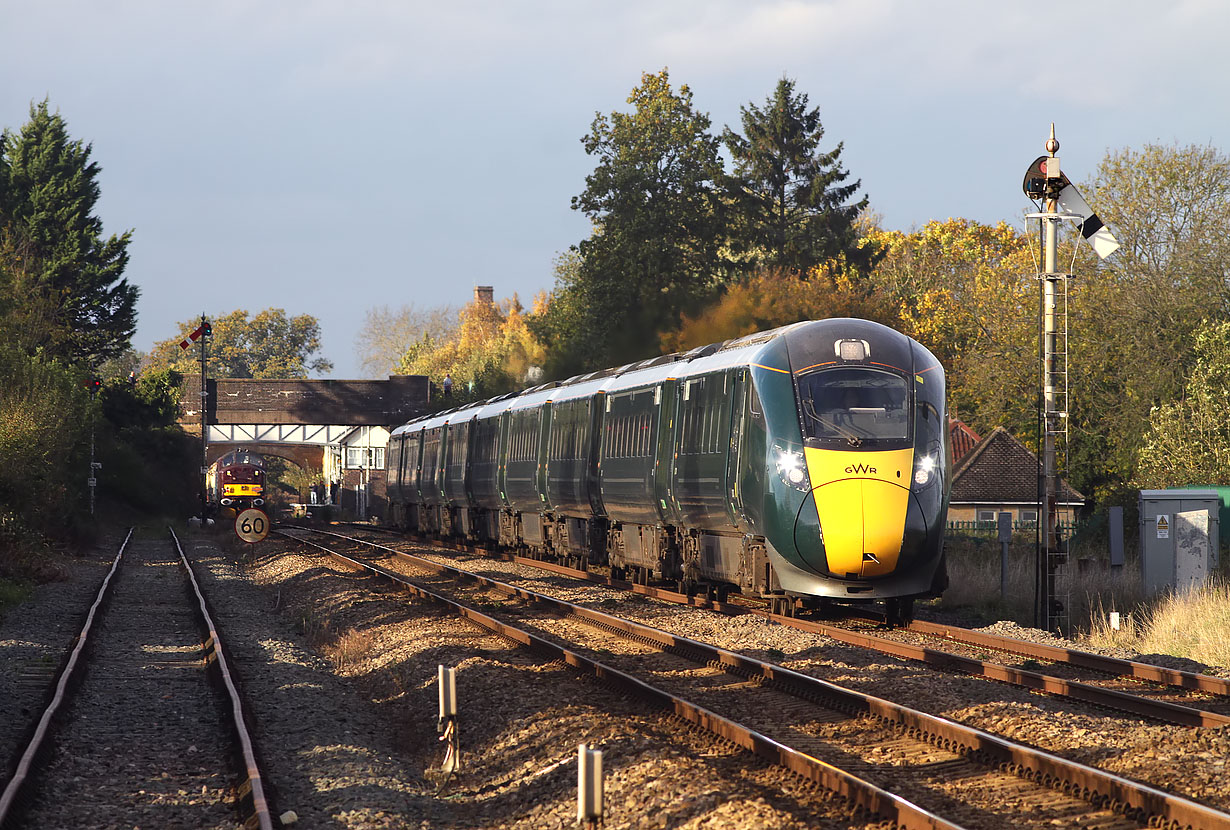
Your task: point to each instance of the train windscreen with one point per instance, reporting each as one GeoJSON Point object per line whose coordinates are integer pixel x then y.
{"type": "Point", "coordinates": [855, 405]}
{"type": "Point", "coordinates": [244, 475]}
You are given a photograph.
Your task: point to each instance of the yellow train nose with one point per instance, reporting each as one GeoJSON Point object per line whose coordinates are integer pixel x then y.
{"type": "Point", "coordinates": [861, 502]}
{"type": "Point", "coordinates": [862, 522]}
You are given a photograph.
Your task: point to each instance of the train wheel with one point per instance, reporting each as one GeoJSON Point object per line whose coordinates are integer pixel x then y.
{"type": "Point", "coordinates": [899, 611]}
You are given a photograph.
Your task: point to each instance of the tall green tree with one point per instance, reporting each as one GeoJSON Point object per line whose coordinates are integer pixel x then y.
{"type": "Point", "coordinates": [658, 231]}
{"type": "Point", "coordinates": [61, 281]}
{"type": "Point", "coordinates": [270, 345]}
{"type": "Point", "coordinates": [1188, 440]}
{"type": "Point", "coordinates": [1134, 317]}
{"type": "Point", "coordinates": [791, 208]}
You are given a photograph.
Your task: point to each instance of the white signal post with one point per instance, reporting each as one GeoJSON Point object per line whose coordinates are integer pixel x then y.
{"type": "Point", "coordinates": [204, 423]}
{"type": "Point", "coordinates": [1050, 615]}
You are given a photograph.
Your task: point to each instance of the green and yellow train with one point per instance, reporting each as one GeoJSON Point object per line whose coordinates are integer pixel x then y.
{"type": "Point", "coordinates": [802, 464]}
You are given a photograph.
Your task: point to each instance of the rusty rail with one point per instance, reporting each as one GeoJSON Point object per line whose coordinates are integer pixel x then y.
{"type": "Point", "coordinates": [859, 792]}
{"type": "Point", "coordinates": [1108, 698]}
{"type": "Point", "coordinates": [1082, 659]}
{"type": "Point", "coordinates": [252, 791]}
{"type": "Point", "coordinates": [17, 789]}
{"type": "Point", "coordinates": [1094, 784]}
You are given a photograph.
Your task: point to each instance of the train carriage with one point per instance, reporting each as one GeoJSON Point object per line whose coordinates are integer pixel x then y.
{"type": "Point", "coordinates": [487, 447]}
{"type": "Point", "coordinates": [430, 479]}
{"type": "Point", "coordinates": [805, 462]}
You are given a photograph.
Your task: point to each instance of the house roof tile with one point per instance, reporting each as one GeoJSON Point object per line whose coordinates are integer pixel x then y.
{"type": "Point", "coordinates": [1000, 469]}
{"type": "Point", "coordinates": [962, 439]}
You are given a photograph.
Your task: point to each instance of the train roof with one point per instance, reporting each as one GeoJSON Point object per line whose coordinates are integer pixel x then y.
{"type": "Point", "coordinates": [714, 357]}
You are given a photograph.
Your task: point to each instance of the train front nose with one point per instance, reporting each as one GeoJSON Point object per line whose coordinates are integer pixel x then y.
{"type": "Point", "coordinates": [853, 523]}
{"type": "Point", "coordinates": [861, 524]}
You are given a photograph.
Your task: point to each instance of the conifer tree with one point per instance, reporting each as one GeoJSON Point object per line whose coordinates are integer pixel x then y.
{"type": "Point", "coordinates": [790, 208]}
{"type": "Point", "coordinates": [61, 282]}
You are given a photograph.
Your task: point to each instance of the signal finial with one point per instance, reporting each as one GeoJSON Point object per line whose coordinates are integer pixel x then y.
{"type": "Point", "coordinates": [1052, 146]}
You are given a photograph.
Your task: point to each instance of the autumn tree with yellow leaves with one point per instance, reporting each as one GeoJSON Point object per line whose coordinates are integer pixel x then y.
{"type": "Point", "coordinates": [490, 351]}
{"type": "Point", "coordinates": [968, 292]}
{"type": "Point", "coordinates": [777, 297]}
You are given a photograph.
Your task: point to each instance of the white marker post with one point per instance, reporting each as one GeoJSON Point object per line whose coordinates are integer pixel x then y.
{"type": "Point", "coordinates": [589, 786]}
{"type": "Point", "coordinates": [447, 725]}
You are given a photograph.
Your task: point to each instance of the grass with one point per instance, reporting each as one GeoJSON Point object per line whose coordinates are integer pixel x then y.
{"type": "Point", "coordinates": [974, 576]}
{"type": "Point", "coordinates": [349, 648]}
{"type": "Point", "coordinates": [25, 563]}
{"type": "Point", "coordinates": [13, 593]}
{"type": "Point", "coordinates": [1193, 625]}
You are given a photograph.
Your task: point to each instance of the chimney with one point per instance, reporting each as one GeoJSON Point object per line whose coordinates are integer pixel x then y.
{"type": "Point", "coordinates": [484, 294]}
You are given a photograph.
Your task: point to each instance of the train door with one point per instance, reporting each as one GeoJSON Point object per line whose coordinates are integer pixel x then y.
{"type": "Point", "coordinates": [666, 398]}
{"type": "Point", "coordinates": [702, 451]}
{"type": "Point", "coordinates": [734, 452]}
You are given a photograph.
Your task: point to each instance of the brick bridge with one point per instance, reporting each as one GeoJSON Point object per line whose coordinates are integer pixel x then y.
{"type": "Point", "coordinates": [296, 419]}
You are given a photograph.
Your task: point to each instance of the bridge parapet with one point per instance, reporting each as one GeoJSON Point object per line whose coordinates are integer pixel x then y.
{"type": "Point", "coordinates": [351, 402]}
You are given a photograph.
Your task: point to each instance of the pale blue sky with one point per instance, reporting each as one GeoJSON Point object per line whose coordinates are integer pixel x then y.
{"type": "Point", "coordinates": [328, 157]}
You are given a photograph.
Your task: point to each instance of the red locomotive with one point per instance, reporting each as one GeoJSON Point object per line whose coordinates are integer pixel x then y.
{"type": "Point", "coordinates": [236, 481]}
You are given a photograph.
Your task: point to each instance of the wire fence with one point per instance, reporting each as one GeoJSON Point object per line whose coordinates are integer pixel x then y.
{"type": "Point", "coordinates": [991, 528]}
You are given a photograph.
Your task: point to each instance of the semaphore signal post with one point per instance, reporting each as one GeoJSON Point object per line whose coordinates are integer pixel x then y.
{"type": "Point", "coordinates": [201, 338]}
{"type": "Point", "coordinates": [1060, 202]}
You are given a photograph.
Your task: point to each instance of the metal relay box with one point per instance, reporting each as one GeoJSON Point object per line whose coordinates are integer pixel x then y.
{"type": "Point", "coordinates": [1178, 538]}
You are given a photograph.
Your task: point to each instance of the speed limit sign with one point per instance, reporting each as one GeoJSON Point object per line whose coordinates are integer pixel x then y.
{"type": "Point", "coordinates": [252, 525]}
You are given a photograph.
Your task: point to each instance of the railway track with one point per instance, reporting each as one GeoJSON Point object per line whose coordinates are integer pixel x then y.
{"type": "Point", "coordinates": [133, 733]}
{"type": "Point", "coordinates": [1132, 687]}
{"type": "Point", "coordinates": [909, 767]}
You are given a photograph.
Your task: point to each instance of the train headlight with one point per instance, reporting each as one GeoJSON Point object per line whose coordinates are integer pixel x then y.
{"type": "Point", "coordinates": [924, 472]}
{"type": "Point", "coordinates": [792, 468]}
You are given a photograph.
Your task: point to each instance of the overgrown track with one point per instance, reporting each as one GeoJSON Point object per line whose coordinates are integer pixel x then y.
{"type": "Point", "coordinates": [133, 734]}
{"type": "Point", "coordinates": [902, 764]}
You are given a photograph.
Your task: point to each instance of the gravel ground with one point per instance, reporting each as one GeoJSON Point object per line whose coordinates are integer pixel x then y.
{"type": "Point", "coordinates": [340, 680]}
{"type": "Point", "coordinates": [36, 636]}
{"type": "Point", "coordinates": [143, 740]}
{"type": "Point", "coordinates": [1186, 760]}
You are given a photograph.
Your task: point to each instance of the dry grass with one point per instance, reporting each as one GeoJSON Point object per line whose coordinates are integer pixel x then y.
{"type": "Point", "coordinates": [1194, 625]}
{"type": "Point", "coordinates": [974, 576]}
{"type": "Point", "coordinates": [974, 580]}
{"type": "Point", "coordinates": [349, 648]}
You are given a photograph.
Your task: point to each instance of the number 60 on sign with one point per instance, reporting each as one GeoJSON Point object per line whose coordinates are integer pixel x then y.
{"type": "Point", "coordinates": [252, 525]}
